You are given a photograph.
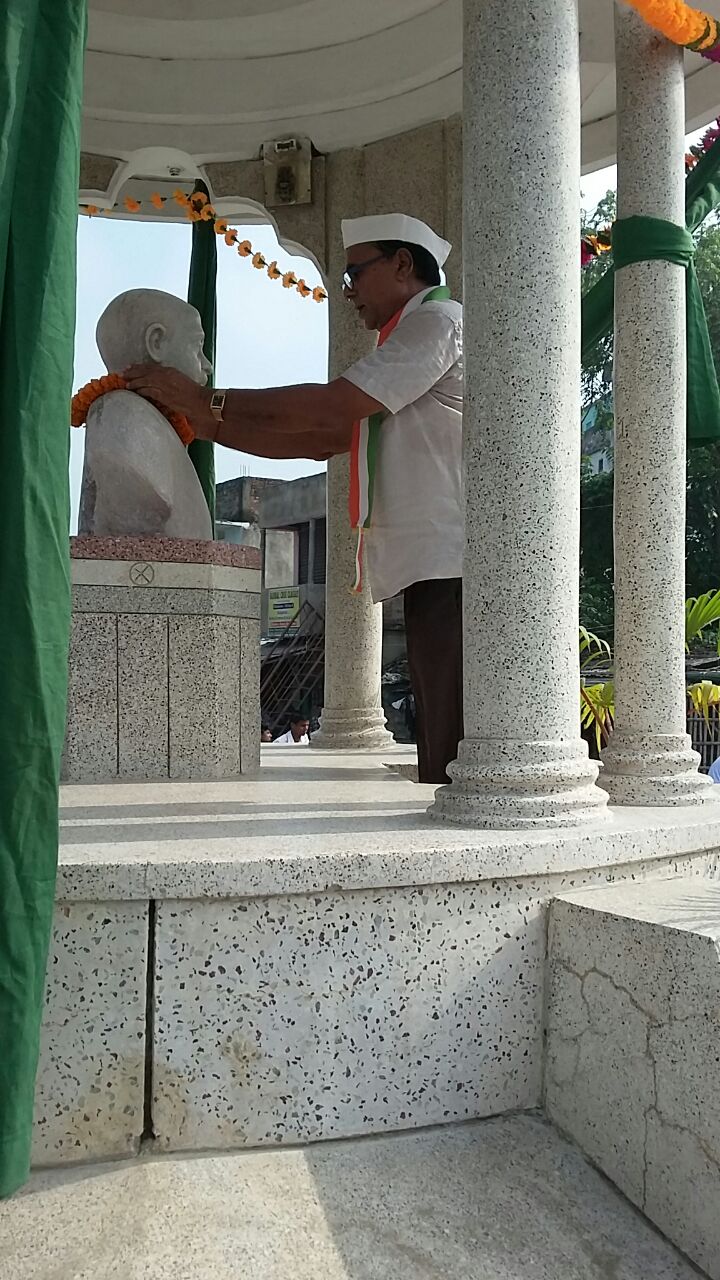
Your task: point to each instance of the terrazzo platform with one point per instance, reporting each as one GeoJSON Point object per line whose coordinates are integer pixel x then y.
{"type": "Point", "coordinates": [306, 955]}
{"type": "Point", "coordinates": [502, 1199]}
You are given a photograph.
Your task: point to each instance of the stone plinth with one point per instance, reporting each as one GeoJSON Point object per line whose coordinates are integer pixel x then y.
{"type": "Point", "coordinates": [90, 1088]}
{"type": "Point", "coordinates": [633, 1070]}
{"type": "Point", "coordinates": [327, 960]}
{"type": "Point", "coordinates": [164, 677]}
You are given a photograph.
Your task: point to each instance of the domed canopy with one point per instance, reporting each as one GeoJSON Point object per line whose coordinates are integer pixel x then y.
{"type": "Point", "coordinates": [217, 78]}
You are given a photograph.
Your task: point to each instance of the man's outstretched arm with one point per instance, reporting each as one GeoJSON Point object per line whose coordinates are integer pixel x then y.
{"type": "Point", "coordinates": [252, 420]}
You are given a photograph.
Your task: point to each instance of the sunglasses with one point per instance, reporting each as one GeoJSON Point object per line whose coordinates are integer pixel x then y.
{"type": "Point", "coordinates": [351, 274]}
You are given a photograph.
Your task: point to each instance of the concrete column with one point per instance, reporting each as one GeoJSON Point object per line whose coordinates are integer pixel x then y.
{"type": "Point", "coordinates": [352, 717]}
{"type": "Point", "coordinates": [649, 760]}
{"type": "Point", "coordinates": [523, 762]}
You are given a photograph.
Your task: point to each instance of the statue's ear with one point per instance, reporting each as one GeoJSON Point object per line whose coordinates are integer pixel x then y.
{"type": "Point", "coordinates": [154, 341]}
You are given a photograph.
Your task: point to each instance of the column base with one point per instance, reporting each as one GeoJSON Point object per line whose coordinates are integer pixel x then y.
{"type": "Point", "coordinates": [511, 785]}
{"type": "Point", "coordinates": [654, 769]}
{"type": "Point", "coordinates": [352, 730]}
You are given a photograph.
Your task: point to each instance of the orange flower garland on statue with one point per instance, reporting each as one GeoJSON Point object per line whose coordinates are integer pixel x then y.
{"type": "Point", "coordinates": [97, 387]}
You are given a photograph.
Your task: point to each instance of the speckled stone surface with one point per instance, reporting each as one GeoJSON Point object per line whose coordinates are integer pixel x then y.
{"type": "Point", "coordinates": [164, 681]}
{"type": "Point", "coordinates": [649, 760]}
{"type": "Point", "coordinates": [142, 674]}
{"type": "Point", "coordinates": [89, 1096]}
{"type": "Point", "coordinates": [91, 737]}
{"type": "Point", "coordinates": [633, 1067]}
{"type": "Point", "coordinates": [249, 719]}
{"type": "Point", "coordinates": [352, 716]}
{"type": "Point", "coordinates": [163, 575]}
{"type": "Point", "coordinates": [503, 1200]}
{"type": "Point", "coordinates": [311, 823]}
{"type": "Point", "coordinates": [187, 601]}
{"type": "Point", "coordinates": [204, 697]}
{"type": "Point", "coordinates": [338, 1014]}
{"type": "Point", "coordinates": [180, 550]}
{"type": "Point", "coordinates": [322, 882]}
{"type": "Point", "coordinates": [521, 448]}
{"type": "Point", "coordinates": [296, 1019]}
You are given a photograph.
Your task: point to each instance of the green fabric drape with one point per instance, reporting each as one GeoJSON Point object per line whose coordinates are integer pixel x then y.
{"type": "Point", "coordinates": [702, 195]}
{"type": "Point", "coordinates": [202, 293]}
{"type": "Point", "coordinates": [41, 58]}
{"type": "Point", "coordinates": [649, 239]}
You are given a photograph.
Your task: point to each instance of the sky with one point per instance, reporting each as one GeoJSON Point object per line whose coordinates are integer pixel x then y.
{"type": "Point", "coordinates": [267, 336]}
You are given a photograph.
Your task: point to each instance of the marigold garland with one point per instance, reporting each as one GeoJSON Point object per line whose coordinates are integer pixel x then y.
{"type": "Point", "coordinates": [97, 387]}
{"type": "Point", "coordinates": [198, 208]}
{"type": "Point", "coordinates": [683, 25]}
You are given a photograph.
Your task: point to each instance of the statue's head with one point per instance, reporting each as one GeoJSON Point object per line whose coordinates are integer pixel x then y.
{"type": "Point", "coordinates": [147, 324]}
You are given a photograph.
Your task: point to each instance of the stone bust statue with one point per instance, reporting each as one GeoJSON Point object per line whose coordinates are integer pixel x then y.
{"type": "Point", "coordinates": [137, 476]}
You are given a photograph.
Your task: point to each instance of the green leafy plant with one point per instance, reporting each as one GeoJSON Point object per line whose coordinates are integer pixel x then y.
{"type": "Point", "coordinates": [703, 696]}
{"type": "Point", "coordinates": [701, 612]}
{"type": "Point", "coordinates": [592, 648]}
{"type": "Point", "coordinates": [597, 710]}
{"type": "Point", "coordinates": [597, 701]}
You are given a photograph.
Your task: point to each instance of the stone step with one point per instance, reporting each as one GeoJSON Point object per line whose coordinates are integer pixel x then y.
{"type": "Point", "coordinates": [503, 1199]}
{"type": "Point", "coordinates": [633, 1051]}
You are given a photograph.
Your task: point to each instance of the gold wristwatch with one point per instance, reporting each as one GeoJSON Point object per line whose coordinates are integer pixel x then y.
{"type": "Point", "coordinates": [217, 404]}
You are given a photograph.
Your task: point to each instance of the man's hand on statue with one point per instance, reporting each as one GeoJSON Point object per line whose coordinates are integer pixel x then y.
{"type": "Point", "coordinates": [174, 390]}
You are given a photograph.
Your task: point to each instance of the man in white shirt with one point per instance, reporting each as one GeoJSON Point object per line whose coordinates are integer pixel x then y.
{"type": "Point", "coordinates": [401, 407]}
{"type": "Point", "coordinates": [297, 734]}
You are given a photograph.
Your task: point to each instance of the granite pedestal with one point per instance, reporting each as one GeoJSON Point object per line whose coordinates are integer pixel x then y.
{"type": "Point", "coordinates": [164, 678]}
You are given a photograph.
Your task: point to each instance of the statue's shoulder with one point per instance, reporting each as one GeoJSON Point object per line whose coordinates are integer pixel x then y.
{"type": "Point", "coordinates": [121, 408]}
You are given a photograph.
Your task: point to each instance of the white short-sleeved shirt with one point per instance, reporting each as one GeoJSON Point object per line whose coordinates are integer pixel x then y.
{"type": "Point", "coordinates": [286, 738]}
{"type": "Point", "coordinates": [417, 518]}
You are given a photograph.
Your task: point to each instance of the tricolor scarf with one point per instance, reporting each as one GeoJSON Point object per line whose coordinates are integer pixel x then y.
{"type": "Point", "coordinates": [364, 451]}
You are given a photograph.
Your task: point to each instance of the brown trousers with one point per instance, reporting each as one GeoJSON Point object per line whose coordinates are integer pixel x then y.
{"type": "Point", "coordinates": [433, 627]}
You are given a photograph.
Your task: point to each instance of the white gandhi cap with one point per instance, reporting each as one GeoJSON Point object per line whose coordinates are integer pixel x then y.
{"type": "Point", "coordinates": [395, 226]}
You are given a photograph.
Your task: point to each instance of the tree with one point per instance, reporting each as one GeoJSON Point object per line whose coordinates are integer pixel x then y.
{"type": "Point", "coordinates": [597, 368]}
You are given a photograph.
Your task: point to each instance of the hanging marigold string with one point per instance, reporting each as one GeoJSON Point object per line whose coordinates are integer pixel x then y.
{"type": "Point", "coordinates": [691, 28]}
{"type": "Point", "coordinates": [87, 395]}
{"type": "Point", "coordinates": [198, 208]}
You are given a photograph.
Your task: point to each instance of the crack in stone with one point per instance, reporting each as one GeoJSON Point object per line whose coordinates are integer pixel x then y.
{"type": "Point", "coordinates": [711, 1157]}
{"type": "Point", "coordinates": [653, 1024]}
{"type": "Point", "coordinates": [646, 1116]}
{"type": "Point", "coordinates": [595, 972]}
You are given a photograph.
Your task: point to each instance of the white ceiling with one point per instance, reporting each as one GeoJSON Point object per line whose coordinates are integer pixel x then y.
{"type": "Point", "coordinates": [217, 78]}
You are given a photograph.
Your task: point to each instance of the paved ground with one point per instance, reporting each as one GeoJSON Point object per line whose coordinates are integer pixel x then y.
{"type": "Point", "coordinates": [502, 1199]}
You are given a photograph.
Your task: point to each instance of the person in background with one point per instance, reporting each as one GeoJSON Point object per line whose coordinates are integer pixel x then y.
{"type": "Point", "coordinates": [266, 734]}
{"type": "Point", "coordinates": [297, 734]}
{"type": "Point", "coordinates": [714, 771]}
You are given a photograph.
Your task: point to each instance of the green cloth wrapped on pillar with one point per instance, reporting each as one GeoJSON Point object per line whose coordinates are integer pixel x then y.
{"type": "Point", "coordinates": [41, 69]}
{"type": "Point", "coordinates": [702, 195]}
{"type": "Point", "coordinates": [653, 239]}
{"type": "Point", "coordinates": [202, 294]}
